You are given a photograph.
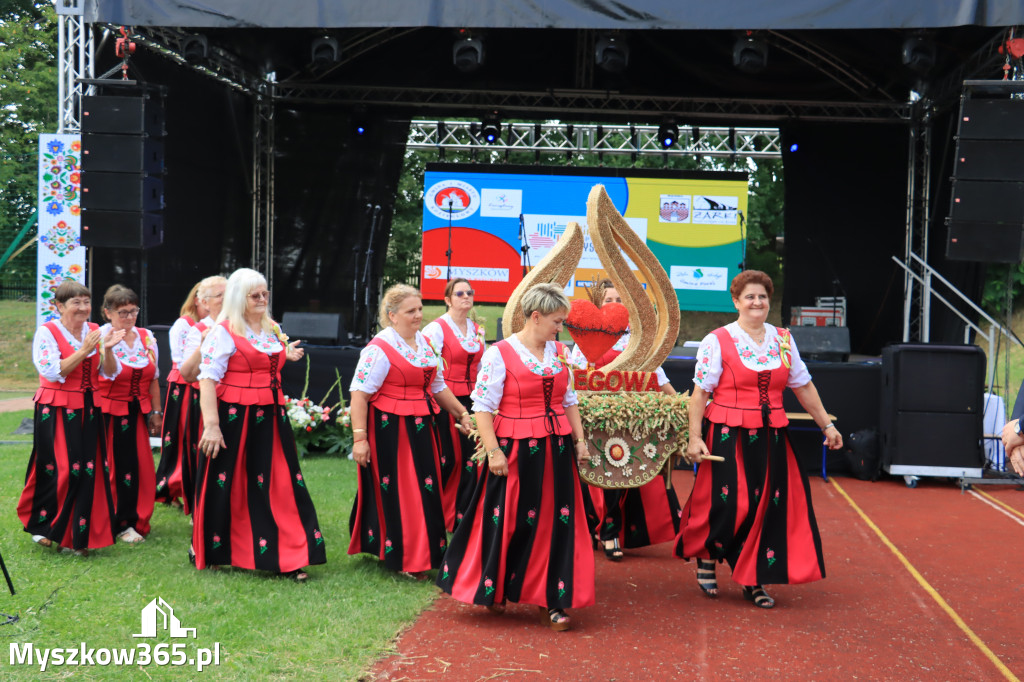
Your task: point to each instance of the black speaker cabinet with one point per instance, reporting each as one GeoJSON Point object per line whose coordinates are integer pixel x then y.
{"type": "Point", "coordinates": [824, 344]}
{"type": "Point", "coordinates": [932, 410]}
{"type": "Point", "coordinates": [986, 242]}
{"type": "Point", "coordinates": [135, 192]}
{"type": "Point", "coordinates": [122, 229]}
{"type": "Point", "coordinates": [122, 154]}
{"type": "Point", "coordinates": [992, 119]}
{"type": "Point", "coordinates": [123, 115]}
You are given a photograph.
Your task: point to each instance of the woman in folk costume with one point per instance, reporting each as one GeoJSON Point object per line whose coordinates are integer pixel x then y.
{"type": "Point", "coordinates": [209, 302]}
{"type": "Point", "coordinates": [460, 341]}
{"type": "Point", "coordinates": [525, 538]}
{"type": "Point", "coordinates": [398, 514]}
{"type": "Point", "coordinates": [752, 510]}
{"type": "Point", "coordinates": [66, 500]}
{"type": "Point", "coordinates": [252, 509]}
{"type": "Point", "coordinates": [130, 405]}
{"type": "Point", "coordinates": [631, 517]}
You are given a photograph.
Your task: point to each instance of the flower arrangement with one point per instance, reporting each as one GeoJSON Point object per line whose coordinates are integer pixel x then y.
{"type": "Point", "coordinates": [631, 436]}
{"type": "Point", "coordinates": [312, 424]}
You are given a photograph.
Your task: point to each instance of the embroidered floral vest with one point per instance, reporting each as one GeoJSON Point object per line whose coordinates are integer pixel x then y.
{"type": "Point", "coordinates": [131, 383]}
{"type": "Point", "coordinates": [252, 376]}
{"type": "Point", "coordinates": [82, 379]}
{"type": "Point", "coordinates": [406, 388]}
{"type": "Point", "coordinates": [460, 365]}
{"type": "Point", "coordinates": [745, 397]}
{"type": "Point", "coordinates": [531, 404]}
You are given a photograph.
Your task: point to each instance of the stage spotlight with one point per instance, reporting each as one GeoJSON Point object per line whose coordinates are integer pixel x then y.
{"type": "Point", "coordinates": [325, 51]}
{"type": "Point", "coordinates": [468, 54]}
{"type": "Point", "coordinates": [794, 147]}
{"type": "Point", "coordinates": [749, 54]}
{"type": "Point", "coordinates": [490, 129]}
{"type": "Point", "coordinates": [918, 54]}
{"type": "Point", "coordinates": [194, 49]}
{"type": "Point", "coordinates": [668, 134]}
{"type": "Point", "coordinates": [612, 54]}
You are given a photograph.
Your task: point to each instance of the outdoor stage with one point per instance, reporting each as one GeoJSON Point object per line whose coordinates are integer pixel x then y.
{"type": "Point", "coordinates": [921, 584]}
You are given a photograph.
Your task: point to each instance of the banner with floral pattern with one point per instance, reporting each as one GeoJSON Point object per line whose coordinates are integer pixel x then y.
{"type": "Point", "coordinates": [61, 255]}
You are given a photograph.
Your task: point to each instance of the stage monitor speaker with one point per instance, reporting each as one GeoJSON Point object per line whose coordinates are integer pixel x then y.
{"type": "Point", "coordinates": [314, 327]}
{"type": "Point", "coordinates": [824, 344]}
{"type": "Point", "coordinates": [997, 160]}
{"type": "Point", "coordinates": [985, 242]}
{"type": "Point", "coordinates": [122, 229]}
{"type": "Point", "coordinates": [992, 119]}
{"type": "Point", "coordinates": [135, 192]}
{"type": "Point", "coordinates": [122, 154]}
{"type": "Point", "coordinates": [123, 115]}
{"type": "Point", "coordinates": [932, 378]}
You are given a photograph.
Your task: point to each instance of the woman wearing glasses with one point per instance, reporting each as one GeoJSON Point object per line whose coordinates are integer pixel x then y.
{"type": "Point", "coordinates": [66, 500]}
{"type": "Point", "coordinates": [129, 403]}
{"type": "Point", "coordinates": [461, 344]}
{"type": "Point", "coordinates": [252, 509]}
{"type": "Point", "coordinates": [176, 475]}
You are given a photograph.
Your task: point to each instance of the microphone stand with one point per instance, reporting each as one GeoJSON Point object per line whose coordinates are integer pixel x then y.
{"type": "Point", "coordinates": [837, 285]}
{"type": "Point", "coordinates": [366, 270]}
{"type": "Point", "coordinates": [448, 253]}
{"type": "Point", "coordinates": [743, 241]}
{"type": "Point", "coordinates": [525, 247]}
{"type": "Point", "coordinates": [356, 279]}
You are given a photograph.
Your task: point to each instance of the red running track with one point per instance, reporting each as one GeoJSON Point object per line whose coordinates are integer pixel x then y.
{"type": "Point", "coordinates": [871, 618]}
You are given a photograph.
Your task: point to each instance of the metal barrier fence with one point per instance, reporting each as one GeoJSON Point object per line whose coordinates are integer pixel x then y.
{"type": "Point", "coordinates": [14, 291]}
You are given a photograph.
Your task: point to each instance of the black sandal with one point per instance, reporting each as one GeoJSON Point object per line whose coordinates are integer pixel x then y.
{"type": "Point", "coordinates": [614, 553]}
{"type": "Point", "coordinates": [557, 619]}
{"type": "Point", "coordinates": [706, 580]}
{"type": "Point", "coordinates": [757, 595]}
{"type": "Point", "coordinates": [298, 575]}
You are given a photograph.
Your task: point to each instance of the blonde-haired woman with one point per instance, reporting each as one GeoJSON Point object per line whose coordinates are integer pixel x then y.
{"type": "Point", "coordinates": [130, 403]}
{"type": "Point", "coordinates": [460, 342]}
{"type": "Point", "coordinates": [526, 538]}
{"type": "Point", "coordinates": [398, 515]}
{"type": "Point", "coordinates": [209, 301]}
{"type": "Point", "coordinates": [252, 508]}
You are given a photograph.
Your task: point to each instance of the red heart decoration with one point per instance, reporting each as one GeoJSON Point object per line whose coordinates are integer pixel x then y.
{"type": "Point", "coordinates": [595, 330]}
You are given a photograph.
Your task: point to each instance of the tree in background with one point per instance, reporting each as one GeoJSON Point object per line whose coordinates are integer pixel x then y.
{"type": "Point", "coordinates": [28, 107]}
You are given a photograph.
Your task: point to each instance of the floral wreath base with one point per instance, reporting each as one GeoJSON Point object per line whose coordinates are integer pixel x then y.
{"type": "Point", "coordinates": [631, 437]}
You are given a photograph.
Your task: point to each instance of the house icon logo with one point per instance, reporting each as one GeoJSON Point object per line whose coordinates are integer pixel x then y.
{"type": "Point", "coordinates": [158, 614]}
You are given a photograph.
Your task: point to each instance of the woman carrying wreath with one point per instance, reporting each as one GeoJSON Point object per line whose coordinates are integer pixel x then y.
{"type": "Point", "coordinates": [66, 500]}
{"type": "Point", "coordinates": [525, 536]}
{"type": "Point", "coordinates": [630, 517]}
{"type": "Point", "coordinates": [752, 510]}
{"type": "Point", "coordinates": [130, 405]}
{"type": "Point", "coordinates": [460, 341]}
{"type": "Point", "coordinates": [398, 514]}
{"type": "Point", "coordinates": [253, 509]}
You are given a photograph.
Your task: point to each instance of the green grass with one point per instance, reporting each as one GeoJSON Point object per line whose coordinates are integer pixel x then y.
{"type": "Point", "coordinates": [17, 325]}
{"type": "Point", "coordinates": [486, 314]}
{"type": "Point", "coordinates": [331, 628]}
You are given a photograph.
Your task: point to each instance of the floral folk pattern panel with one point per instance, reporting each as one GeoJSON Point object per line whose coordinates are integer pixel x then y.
{"type": "Point", "coordinates": [61, 255]}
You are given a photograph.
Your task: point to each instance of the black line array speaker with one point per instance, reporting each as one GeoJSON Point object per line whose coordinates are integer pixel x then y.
{"type": "Point", "coordinates": [122, 170]}
{"type": "Point", "coordinates": [986, 214]}
{"type": "Point", "coordinates": [932, 406]}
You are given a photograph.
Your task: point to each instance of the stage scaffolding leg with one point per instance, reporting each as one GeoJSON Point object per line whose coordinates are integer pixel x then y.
{"type": "Point", "coordinates": [75, 60]}
{"type": "Point", "coordinates": [917, 298]}
{"type": "Point", "coordinates": [263, 182]}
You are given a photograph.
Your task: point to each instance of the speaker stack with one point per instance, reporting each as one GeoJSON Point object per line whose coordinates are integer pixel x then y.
{"type": "Point", "coordinates": [986, 215]}
{"type": "Point", "coordinates": [122, 170]}
{"type": "Point", "coordinates": [932, 410]}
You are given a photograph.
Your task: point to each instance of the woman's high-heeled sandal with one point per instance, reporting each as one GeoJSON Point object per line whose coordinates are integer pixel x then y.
{"type": "Point", "coordinates": [614, 553]}
{"type": "Point", "coordinates": [497, 608]}
{"type": "Point", "coordinates": [757, 595]}
{"type": "Point", "coordinates": [556, 619]}
{"type": "Point", "coordinates": [706, 580]}
{"type": "Point", "coordinates": [298, 575]}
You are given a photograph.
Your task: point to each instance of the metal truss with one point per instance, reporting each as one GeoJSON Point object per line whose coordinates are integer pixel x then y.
{"type": "Point", "coordinates": [263, 184]}
{"type": "Point", "coordinates": [592, 103]}
{"type": "Point", "coordinates": [827, 63]}
{"type": "Point", "coordinates": [546, 138]}
{"type": "Point", "coordinates": [75, 59]}
{"type": "Point", "coordinates": [917, 297]}
{"type": "Point", "coordinates": [219, 64]}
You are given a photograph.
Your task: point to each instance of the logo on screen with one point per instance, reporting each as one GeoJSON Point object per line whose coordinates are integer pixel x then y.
{"type": "Point", "coordinates": [452, 198]}
{"type": "Point", "coordinates": [431, 272]}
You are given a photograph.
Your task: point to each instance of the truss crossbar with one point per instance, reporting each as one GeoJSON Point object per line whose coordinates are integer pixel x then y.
{"type": "Point", "coordinates": [763, 142]}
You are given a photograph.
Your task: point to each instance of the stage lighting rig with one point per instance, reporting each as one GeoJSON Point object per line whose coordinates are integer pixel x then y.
{"type": "Point", "coordinates": [918, 54]}
{"type": "Point", "coordinates": [468, 54]}
{"type": "Point", "coordinates": [611, 54]}
{"type": "Point", "coordinates": [195, 49]}
{"type": "Point", "coordinates": [668, 134]}
{"type": "Point", "coordinates": [490, 128]}
{"type": "Point", "coordinates": [750, 54]}
{"type": "Point", "coordinates": [325, 51]}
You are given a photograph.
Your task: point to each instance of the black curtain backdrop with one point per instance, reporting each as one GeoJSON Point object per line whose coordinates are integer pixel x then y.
{"type": "Point", "coordinates": [845, 218]}
{"type": "Point", "coordinates": [325, 177]}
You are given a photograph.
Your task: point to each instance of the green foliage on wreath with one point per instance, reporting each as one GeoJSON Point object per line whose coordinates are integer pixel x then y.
{"type": "Point", "coordinates": [646, 417]}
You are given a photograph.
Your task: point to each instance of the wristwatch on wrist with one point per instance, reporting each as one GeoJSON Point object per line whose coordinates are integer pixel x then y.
{"type": "Point", "coordinates": [1016, 427]}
